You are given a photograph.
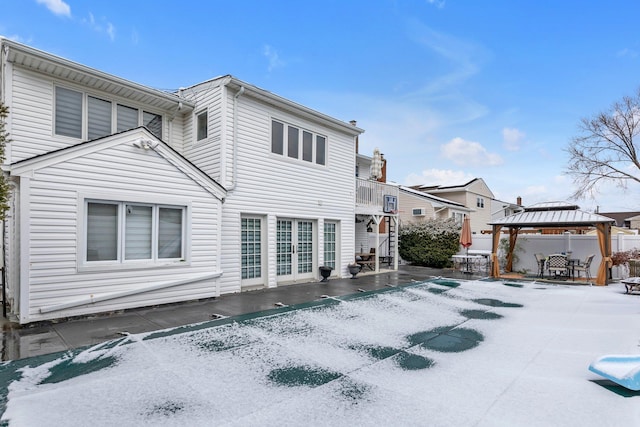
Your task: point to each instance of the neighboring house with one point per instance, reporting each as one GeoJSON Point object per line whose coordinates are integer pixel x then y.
{"type": "Point", "coordinates": [126, 196]}
{"type": "Point", "coordinates": [416, 207]}
{"type": "Point", "coordinates": [501, 209]}
{"type": "Point", "coordinates": [474, 195]}
{"type": "Point", "coordinates": [624, 219]}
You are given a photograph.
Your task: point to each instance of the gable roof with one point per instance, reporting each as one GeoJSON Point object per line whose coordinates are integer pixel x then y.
{"type": "Point", "coordinates": [270, 98]}
{"type": "Point", "coordinates": [620, 217]}
{"type": "Point", "coordinates": [27, 167]}
{"type": "Point", "coordinates": [433, 198]}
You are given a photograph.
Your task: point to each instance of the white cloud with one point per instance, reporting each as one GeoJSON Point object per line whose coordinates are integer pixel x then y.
{"type": "Point", "coordinates": [465, 153]}
{"type": "Point", "coordinates": [274, 59]}
{"type": "Point", "coordinates": [512, 138]}
{"type": "Point", "coordinates": [105, 27]}
{"type": "Point", "coordinates": [626, 52]}
{"type": "Point", "coordinates": [437, 3]}
{"type": "Point", "coordinates": [58, 7]}
{"type": "Point", "coordinates": [438, 177]}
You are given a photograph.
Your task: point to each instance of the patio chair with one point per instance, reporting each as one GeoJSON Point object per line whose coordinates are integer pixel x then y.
{"type": "Point", "coordinates": [540, 260]}
{"type": "Point", "coordinates": [586, 267]}
{"type": "Point", "coordinates": [558, 264]}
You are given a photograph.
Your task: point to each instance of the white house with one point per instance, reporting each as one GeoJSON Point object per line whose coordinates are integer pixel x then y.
{"type": "Point", "coordinates": [126, 196]}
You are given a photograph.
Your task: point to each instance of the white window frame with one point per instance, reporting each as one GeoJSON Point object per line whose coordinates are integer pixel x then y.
{"type": "Point", "coordinates": [114, 113]}
{"type": "Point", "coordinates": [417, 212]}
{"type": "Point", "coordinates": [300, 144]}
{"type": "Point", "coordinates": [196, 125]}
{"type": "Point", "coordinates": [480, 202]}
{"type": "Point", "coordinates": [120, 263]}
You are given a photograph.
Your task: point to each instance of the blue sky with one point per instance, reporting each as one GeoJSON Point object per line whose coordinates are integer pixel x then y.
{"type": "Point", "coordinates": [448, 90]}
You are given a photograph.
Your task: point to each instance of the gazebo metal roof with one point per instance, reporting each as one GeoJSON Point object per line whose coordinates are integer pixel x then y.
{"type": "Point", "coordinates": [552, 214]}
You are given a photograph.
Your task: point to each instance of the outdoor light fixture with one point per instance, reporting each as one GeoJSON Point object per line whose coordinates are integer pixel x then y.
{"type": "Point", "coordinates": [145, 144]}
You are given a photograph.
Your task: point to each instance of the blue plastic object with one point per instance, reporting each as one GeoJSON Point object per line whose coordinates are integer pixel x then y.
{"type": "Point", "coordinates": [621, 369]}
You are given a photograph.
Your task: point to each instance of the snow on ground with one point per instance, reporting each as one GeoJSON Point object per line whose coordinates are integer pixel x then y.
{"type": "Point", "coordinates": [482, 353]}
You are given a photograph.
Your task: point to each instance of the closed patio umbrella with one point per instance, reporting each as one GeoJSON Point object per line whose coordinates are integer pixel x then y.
{"type": "Point", "coordinates": [465, 236]}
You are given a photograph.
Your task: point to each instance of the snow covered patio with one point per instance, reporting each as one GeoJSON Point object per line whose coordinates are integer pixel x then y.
{"type": "Point", "coordinates": [438, 353]}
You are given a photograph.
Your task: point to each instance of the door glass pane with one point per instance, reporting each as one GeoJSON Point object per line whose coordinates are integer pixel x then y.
{"type": "Point", "coordinates": [137, 236]}
{"type": "Point", "coordinates": [170, 233]}
{"type": "Point", "coordinates": [102, 232]}
{"type": "Point", "coordinates": [321, 150]}
{"type": "Point", "coordinates": [153, 122]}
{"type": "Point", "coordinates": [127, 118]}
{"type": "Point", "coordinates": [277, 137]}
{"type": "Point", "coordinates": [68, 113]}
{"type": "Point", "coordinates": [99, 118]}
{"type": "Point", "coordinates": [330, 244]}
{"type": "Point", "coordinates": [305, 246]}
{"type": "Point", "coordinates": [283, 247]}
{"type": "Point", "coordinates": [251, 248]}
{"type": "Point", "coordinates": [307, 146]}
{"type": "Point", "coordinates": [292, 142]}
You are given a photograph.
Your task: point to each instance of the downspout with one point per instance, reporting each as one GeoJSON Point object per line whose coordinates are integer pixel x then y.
{"type": "Point", "coordinates": [234, 164]}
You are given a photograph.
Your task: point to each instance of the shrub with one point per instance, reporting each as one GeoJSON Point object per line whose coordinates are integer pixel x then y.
{"type": "Point", "coordinates": [431, 243]}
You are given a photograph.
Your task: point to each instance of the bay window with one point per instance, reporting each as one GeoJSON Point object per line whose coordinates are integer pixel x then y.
{"type": "Point", "coordinates": [121, 232]}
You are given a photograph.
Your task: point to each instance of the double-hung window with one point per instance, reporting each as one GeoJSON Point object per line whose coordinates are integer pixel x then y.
{"type": "Point", "coordinates": [121, 232]}
{"type": "Point", "coordinates": [295, 143]}
{"type": "Point", "coordinates": [70, 118]}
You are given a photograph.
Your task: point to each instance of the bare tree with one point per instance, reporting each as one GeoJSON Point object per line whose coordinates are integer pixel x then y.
{"type": "Point", "coordinates": [606, 151]}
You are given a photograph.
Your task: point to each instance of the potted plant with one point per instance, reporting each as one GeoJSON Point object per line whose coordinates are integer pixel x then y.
{"type": "Point", "coordinates": [325, 272]}
{"type": "Point", "coordinates": [354, 269]}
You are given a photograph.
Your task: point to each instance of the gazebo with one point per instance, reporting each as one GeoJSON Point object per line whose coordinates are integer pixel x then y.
{"type": "Point", "coordinates": [552, 215]}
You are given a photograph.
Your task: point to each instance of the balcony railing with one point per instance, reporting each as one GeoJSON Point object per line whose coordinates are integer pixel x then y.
{"type": "Point", "coordinates": [370, 194]}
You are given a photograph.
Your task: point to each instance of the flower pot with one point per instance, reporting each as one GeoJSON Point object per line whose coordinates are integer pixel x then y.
{"type": "Point", "coordinates": [325, 272]}
{"type": "Point", "coordinates": [354, 270]}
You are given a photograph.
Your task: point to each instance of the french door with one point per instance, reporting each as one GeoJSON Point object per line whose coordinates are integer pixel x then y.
{"type": "Point", "coordinates": [294, 250]}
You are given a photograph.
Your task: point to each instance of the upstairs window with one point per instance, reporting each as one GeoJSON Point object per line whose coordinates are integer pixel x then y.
{"type": "Point", "coordinates": [201, 126]}
{"type": "Point", "coordinates": [296, 143]}
{"type": "Point", "coordinates": [68, 113]}
{"type": "Point", "coordinates": [83, 116]}
{"type": "Point", "coordinates": [480, 202]}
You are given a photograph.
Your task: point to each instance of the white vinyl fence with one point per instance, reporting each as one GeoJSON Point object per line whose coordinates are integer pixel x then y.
{"type": "Point", "coordinates": [580, 246]}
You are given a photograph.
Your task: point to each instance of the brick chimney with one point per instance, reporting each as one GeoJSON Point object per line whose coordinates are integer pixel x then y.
{"type": "Point", "coordinates": [519, 201]}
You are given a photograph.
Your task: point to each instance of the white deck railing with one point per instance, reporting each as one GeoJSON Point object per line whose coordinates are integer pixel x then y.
{"type": "Point", "coordinates": [371, 193]}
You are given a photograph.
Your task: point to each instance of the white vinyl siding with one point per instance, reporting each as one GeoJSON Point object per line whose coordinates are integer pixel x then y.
{"type": "Point", "coordinates": [120, 175]}
{"type": "Point", "coordinates": [275, 186]}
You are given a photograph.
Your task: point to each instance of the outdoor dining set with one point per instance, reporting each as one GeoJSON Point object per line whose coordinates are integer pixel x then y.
{"type": "Point", "coordinates": [561, 265]}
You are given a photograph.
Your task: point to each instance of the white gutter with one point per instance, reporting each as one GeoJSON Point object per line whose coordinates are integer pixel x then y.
{"type": "Point", "coordinates": [105, 297]}
{"type": "Point", "coordinates": [235, 139]}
